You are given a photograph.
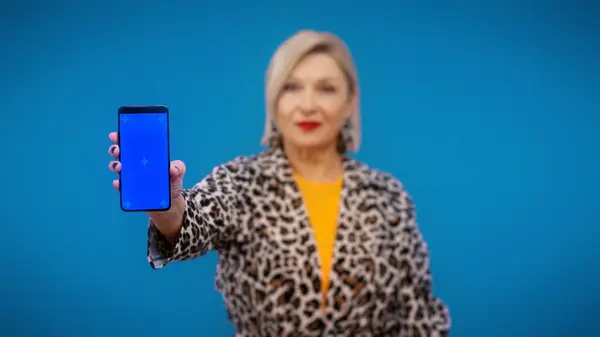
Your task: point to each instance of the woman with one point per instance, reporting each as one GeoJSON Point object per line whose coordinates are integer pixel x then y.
{"type": "Point", "coordinates": [310, 241]}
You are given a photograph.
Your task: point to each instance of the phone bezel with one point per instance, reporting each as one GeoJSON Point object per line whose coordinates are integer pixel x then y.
{"type": "Point", "coordinates": [128, 110]}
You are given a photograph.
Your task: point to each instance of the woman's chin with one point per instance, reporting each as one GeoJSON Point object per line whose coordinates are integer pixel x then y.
{"type": "Point", "coordinates": [312, 143]}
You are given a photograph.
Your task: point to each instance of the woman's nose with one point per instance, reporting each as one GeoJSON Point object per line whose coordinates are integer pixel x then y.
{"type": "Point", "coordinates": [308, 103]}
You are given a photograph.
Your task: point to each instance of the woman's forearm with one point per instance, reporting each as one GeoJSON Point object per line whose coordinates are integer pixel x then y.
{"type": "Point", "coordinates": [169, 223]}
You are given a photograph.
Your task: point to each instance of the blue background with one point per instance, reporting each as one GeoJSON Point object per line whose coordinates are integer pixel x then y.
{"type": "Point", "coordinates": [489, 114]}
{"type": "Point", "coordinates": [144, 157]}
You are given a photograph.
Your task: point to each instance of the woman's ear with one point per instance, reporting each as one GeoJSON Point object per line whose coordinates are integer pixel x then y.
{"type": "Point", "coordinates": [353, 100]}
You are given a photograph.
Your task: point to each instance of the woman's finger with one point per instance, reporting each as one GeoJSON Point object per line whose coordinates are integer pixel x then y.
{"type": "Point", "coordinates": [116, 184]}
{"type": "Point", "coordinates": [177, 170]}
{"type": "Point", "coordinates": [113, 150]}
{"type": "Point", "coordinates": [114, 137]}
{"type": "Point", "coordinates": [114, 166]}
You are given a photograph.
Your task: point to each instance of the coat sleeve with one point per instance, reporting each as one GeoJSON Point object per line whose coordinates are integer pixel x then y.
{"type": "Point", "coordinates": [423, 314]}
{"type": "Point", "coordinates": [208, 220]}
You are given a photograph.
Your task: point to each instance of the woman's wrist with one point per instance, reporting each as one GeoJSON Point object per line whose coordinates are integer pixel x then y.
{"type": "Point", "coordinates": [169, 222]}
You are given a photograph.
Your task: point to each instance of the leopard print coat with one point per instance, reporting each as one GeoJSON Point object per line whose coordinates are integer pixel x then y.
{"type": "Point", "coordinates": [251, 212]}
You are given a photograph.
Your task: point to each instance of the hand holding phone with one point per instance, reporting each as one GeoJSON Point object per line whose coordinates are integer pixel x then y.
{"type": "Point", "coordinates": [142, 149]}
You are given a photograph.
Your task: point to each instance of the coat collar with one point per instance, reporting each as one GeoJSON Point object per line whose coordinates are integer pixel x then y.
{"type": "Point", "coordinates": [273, 163]}
{"type": "Point", "coordinates": [275, 170]}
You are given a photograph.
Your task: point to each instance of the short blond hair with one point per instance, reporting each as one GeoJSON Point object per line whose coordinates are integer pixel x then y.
{"type": "Point", "coordinates": [283, 62]}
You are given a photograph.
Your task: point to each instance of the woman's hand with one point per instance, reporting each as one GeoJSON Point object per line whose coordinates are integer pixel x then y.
{"type": "Point", "coordinates": [168, 222]}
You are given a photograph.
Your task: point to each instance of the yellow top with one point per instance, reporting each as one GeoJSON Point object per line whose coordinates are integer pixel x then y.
{"type": "Point", "coordinates": [322, 201]}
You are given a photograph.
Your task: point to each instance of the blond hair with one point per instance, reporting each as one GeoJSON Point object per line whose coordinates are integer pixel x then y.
{"type": "Point", "coordinates": [283, 62]}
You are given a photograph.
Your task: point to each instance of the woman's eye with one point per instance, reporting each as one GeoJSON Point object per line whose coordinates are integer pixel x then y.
{"type": "Point", "coordinates": [290, 87]}
{"type": "Point", "coordinates": [328, 89]}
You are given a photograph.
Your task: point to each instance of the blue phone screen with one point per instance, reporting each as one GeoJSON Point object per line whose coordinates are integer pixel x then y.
{"type": "Point", "coordinates": [144, 156]}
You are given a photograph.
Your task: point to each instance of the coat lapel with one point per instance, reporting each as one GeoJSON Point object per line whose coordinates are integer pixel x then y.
{"type": "Point", "coordinates": [276, 170]}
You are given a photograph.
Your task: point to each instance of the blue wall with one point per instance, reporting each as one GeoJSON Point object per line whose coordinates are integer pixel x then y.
{"type": "Point", "coordinates": [489, 114]}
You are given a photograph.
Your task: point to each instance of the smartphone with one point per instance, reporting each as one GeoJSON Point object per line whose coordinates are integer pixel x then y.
{"type": "Point", "coordinates": [145, 157]}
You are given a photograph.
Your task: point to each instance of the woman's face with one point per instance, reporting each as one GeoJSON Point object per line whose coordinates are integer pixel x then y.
{"type": "Point", "coordinates": [314, 103]}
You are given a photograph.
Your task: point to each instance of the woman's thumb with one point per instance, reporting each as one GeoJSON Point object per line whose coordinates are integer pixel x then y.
{"type": "Point", "coordinates": [177, 171]}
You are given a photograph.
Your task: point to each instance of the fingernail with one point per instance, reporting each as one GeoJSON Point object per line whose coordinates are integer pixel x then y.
{"type": "Point", "coordinates": [114, 165]}
{"type": "Point", "coordinates": [112, 149]}
{"type": "Point", "coordinates": [178, 170]}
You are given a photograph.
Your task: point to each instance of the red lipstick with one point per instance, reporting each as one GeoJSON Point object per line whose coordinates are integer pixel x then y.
{"type": "Point", "coordinates": [308, 126]}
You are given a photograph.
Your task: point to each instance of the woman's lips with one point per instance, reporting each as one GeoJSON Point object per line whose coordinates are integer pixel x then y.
{"type": "Point", "coordinates": [308, 126]}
